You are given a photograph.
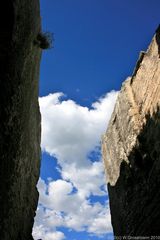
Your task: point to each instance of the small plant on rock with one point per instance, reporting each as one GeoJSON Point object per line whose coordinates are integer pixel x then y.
{"type": "Point", "coordinates": [45, 40]}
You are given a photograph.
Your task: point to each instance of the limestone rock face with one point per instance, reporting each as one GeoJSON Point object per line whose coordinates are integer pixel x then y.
{"type": "Point", "coordinates": [131, 149]}
{"type": "Point", "coordinates": [19, 117]}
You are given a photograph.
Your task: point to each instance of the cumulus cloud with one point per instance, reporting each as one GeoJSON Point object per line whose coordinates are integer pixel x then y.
{"type": "Point", "coordinates": [58, 207]}
{"type": "Point", "coordinates": [40, 232]}
{"type": "Point", "coordinates": [70, 133]}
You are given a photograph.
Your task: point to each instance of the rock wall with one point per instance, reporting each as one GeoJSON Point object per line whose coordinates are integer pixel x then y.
{"type": "Point", "coordinates": [131, 149]}
{"type": "Point", "coordinates": [19, 117]}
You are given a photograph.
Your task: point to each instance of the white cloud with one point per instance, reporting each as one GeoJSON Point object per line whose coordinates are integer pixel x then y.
{"type": "Point", "coordinates": [101, 223]}
{"type": "Point", "coordinates": [88, 180]}
{"type": "Point", "coordinates": [60, 208]}
{"type": "Point", "coordinates": [39, 232]}
{"type": "Point", "coordinates": [54, 236]}
{"type": "Point", "coordinates": [70, 132]}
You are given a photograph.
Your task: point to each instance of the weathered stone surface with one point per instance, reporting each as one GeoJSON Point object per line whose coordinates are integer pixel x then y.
{"type": "Point", "coordinates": [19, 118]}
{"type": "Point", "coordinates": [131, 149]}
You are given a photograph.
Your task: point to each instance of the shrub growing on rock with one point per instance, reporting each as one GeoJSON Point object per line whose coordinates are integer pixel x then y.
{"type": "Point", "coordinates": [45, 40]}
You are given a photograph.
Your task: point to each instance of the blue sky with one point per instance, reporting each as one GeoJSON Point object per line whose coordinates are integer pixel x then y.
{"type": "Point", "coordinates": [96, 46]}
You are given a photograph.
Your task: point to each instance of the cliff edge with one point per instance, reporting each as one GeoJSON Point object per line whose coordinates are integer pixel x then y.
{"type": "Point", "coordinates": [131, 149]}
{"type": "Point", "coordinates": [19, 118]}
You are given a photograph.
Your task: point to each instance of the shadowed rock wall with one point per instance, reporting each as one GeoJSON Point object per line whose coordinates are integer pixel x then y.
{"type": "Point", "coordinates": [19, 117]}
{"type": "Point", "coordinates": [131, 150]}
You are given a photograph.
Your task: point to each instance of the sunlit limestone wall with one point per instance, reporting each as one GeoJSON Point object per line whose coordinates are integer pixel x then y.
{"type": "Point", "coordinates": [19, 117]}
{"type": "Point", "coordinates": [131, 149]}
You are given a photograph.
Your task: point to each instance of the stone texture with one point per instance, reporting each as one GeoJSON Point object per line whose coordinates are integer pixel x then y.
{"type": "Point", "coordinates": [19, 118]}
{"type": "Point", "coordinates": [131, 149]}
